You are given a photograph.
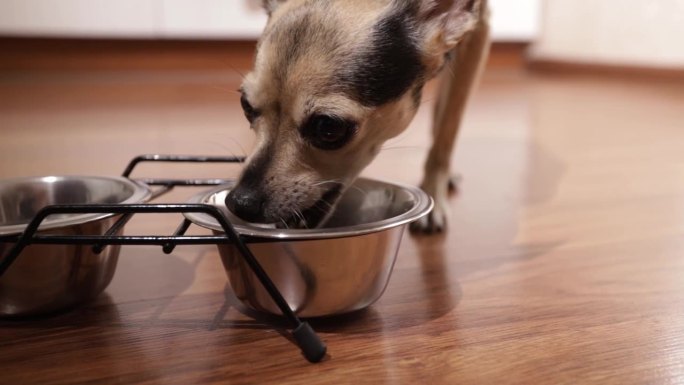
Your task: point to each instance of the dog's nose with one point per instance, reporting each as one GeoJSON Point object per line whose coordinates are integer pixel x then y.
{"type": "Point", "coordinates": [247, 204]}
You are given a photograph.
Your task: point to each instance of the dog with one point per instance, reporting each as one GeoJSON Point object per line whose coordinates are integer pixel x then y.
{"type": "Point", "coordinates": [333, 80]}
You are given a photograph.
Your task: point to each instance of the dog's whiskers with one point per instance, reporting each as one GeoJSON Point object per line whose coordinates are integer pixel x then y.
{"type": "Point", "coordinates": [217, 87]}
{"type": "Point", "coordinates": [330, 206]}
{"type": "Point", "coordinates": [298, 214]}
{"type": "Point", "coordinates": [218, 144]}
{"type": "Point", "coordinates": [304, 165]}
{"type": "Point", "coordinates": [237, 143]}
{"type": "Point", "coordinates": [226, 149]}
{"type": "Point", "coordinates": [359, 189]}
{"type": "Point", "coordinates": [304, 222]}
{"type": "Point", "coordinates": [237, 71]}
{"type": "Point", "coordinates": [427, 100]}
{"type": "Point", "coordinates": [401, 148]}
{"type": "Point", "coordinates": [330, 181]}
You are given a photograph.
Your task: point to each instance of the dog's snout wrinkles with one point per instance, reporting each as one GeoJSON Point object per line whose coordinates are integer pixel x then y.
{"type": "Point", "coordinates": [246, 204]}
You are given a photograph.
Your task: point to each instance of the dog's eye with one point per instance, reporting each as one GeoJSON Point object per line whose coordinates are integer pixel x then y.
{"type": "Point", "coordinates": [250, 112]}
{"type": "Point", "coordinates": [328, 132]}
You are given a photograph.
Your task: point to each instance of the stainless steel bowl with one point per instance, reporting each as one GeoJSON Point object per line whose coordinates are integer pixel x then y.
{"type": "Point", "coordinates": [341, 267]}
{"type": "Point", "coordinates": [49, 278]}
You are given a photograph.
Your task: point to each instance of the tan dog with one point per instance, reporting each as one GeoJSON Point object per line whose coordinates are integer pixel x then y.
{"type": "Point", "coordinates": [333, 80]}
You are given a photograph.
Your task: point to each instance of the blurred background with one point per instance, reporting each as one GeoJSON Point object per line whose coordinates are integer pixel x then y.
{"type": "Point", "coordinates": [209, 19]}
{"type": "Point", "coordinates": [149, 52]}
{"type": "Point", "coordinates": [617, 32]}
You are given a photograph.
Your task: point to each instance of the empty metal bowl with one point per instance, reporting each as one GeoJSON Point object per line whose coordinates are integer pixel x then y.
{"type": "Point", "coordinates": [341, 267]}
{"type": "Point", "coordinates": [49, 278]}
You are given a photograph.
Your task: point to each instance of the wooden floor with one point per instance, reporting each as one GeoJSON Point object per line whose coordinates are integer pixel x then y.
{"type": "Point", "coordinates": [564, 262]}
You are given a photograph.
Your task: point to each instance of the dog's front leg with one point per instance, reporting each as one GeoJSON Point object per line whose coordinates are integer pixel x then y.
{"type": "Point", "coordinates": [455, 86]}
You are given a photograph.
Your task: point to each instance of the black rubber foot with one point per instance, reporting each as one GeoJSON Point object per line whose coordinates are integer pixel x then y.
{"type": "Point", "coordinates": [312, 347]}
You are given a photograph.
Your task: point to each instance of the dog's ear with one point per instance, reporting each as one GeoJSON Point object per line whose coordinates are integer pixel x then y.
{"type": "Point", "coordinates": [445, 24]}
{"type": "Point", "coordinates": [271, 5]}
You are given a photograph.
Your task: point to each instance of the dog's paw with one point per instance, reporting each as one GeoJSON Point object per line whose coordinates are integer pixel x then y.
{"type": "Point", "coordinates": [438, 187]}
{"type": "Point", "coordinates": [453, 183]}
{"type": "Point", "coordinates": [434, 222]}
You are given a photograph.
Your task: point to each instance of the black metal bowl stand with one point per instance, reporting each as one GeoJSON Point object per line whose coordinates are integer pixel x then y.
{"type": "Point", "coordinates": [308, 341]}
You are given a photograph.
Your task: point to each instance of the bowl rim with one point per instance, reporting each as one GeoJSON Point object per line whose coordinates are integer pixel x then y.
{"type": "Point", "coordinates": [422, 207]}
{"type": "Point", "coordinates": [141, 193]}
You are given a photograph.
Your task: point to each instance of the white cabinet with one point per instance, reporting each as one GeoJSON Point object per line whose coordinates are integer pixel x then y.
{"type": "Point", "coordinates": [80, 18]}
{"type": "Point", "coordinates": [622, 32]}
{"type": "Point", "coordinates": [229, 19]}
{"type": "Point", "coordinates": [221, 19]}
{"type": "Point", "coordinates": [234, 19]}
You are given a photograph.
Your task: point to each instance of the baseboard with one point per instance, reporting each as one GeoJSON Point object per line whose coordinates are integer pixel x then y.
{"type": "Point", "coordinates": [550, 66]}
{"type": "Point", "coordinates": [120, 54]}
{"type": "Point", "coordinates": [19, 54]}
{"type": "Point", "coordinates": [508, 55]}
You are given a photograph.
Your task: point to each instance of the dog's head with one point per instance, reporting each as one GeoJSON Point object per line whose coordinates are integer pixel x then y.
{"type": "Point", "coordinates": [332, 81]}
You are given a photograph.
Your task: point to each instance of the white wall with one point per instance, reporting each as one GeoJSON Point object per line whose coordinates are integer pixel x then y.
{"type": "Point", "coordinates": [132, 18]}
{"type": "Point", "coordinates": [625, 32]}
{"type": "Point", "coordinates": [79, 17]}
{"type": "Point", "coordinates": [513, 20]}
{"type": "Point", "coordinates": [233, 19]}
